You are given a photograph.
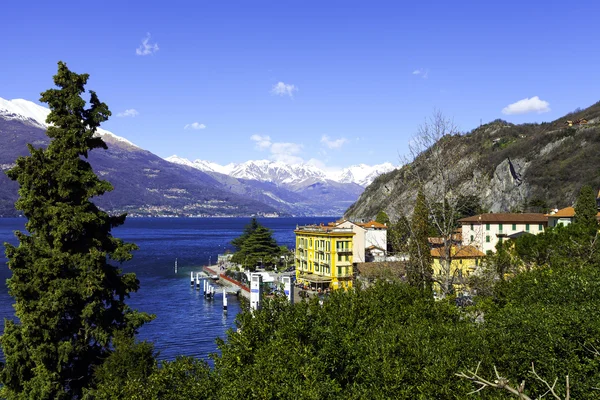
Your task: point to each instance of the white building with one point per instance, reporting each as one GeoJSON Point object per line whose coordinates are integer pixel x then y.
{"type": "Point", "coordinates": [376, 234]}
{"type": "Point", "coordinates": [484, 231]}
{"type": "Point", "coordinates": [564, 216]}
{"type": "Point", "coordinates": [358, 241]}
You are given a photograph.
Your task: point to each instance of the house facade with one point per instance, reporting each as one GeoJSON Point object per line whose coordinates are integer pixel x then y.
{"type": "Point", "coordinates": [464, 261]}
{"type": "Point", "coordinates": [484, 231]}
{"type": "Point", "coordinates": [360, 237]}
{"type": "Point", "coordinates": [375, 235]}
{"type": "Point", "coordinates": [564, 216]}
{"type": "Point", "coordinates": [324, 256]}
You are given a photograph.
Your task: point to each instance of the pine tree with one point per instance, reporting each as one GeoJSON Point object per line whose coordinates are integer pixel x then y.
{"type": "Point", "coordinates": [248, 230]}
{"type": "Point", "coordinates": [419, 271]}
{"type": "Point", "coordinates": [382, 218]}
{"type": "Point", "coordinates": [585, 207]}
{"type": "Point", "coordinates": [69, 298]}
{"type": "Point", "coordinates": [259, 247]}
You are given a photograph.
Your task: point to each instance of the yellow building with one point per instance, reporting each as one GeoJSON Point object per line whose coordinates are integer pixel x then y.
{"type": "Point", "coordinates": [464, 261]}
{"type": "Point", "coordinates": [324, 257]}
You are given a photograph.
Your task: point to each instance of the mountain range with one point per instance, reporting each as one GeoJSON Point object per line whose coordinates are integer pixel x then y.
{"type": "Point", "coordinates": [530, 167]}
{"type": "Point", "coordinates": [145, 184]}
{"type": "Point", "coordinates": [285, 174]}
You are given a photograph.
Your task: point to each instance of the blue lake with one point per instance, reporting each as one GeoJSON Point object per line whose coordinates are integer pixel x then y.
{"type": "Point", "coordinates": [185, 323]}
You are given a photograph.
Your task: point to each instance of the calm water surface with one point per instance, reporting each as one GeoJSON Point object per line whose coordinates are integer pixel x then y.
{"type": "Point", "coordinates": [185, 324]}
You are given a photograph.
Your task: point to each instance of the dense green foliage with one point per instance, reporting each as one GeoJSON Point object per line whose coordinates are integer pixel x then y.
{"type": "Point", "coordinates": [389, 341]}
{"type": "Point", "coordinates": [585, 207]}
{"type": "Point", "coordinates": [248, 230]}
{"type": "Point", "coordinates": [395, 341]}
{"type": "Point", "coordinates": [256, 246]}
{"type": "Point", "coordinates": [382, 218]}
{"type": "Point", "coordinates": [69, 298]}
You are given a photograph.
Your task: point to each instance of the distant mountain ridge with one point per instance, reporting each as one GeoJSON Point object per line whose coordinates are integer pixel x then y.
{"type": "Point", "coordinates": [145, 184]}
{"type": "Point", "coordinates": [288, 174]}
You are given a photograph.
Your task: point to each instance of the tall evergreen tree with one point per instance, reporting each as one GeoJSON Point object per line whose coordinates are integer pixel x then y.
{"type": "Point", "coordinates": [382, 218]}
{"type": "Point", "coordinates": [248, 230]}
{"type": "Point", "coordinates": [259, 247]}
{"type": "Point", "coordinates": [585, 207]}
{"type": "Point", "coordinates": [69, 298]}
{"type": "Point", "coordinates": [419, 270]}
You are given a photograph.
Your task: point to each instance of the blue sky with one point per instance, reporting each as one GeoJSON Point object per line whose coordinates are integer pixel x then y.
{"type": "Point", "coordinates": [335, 82]}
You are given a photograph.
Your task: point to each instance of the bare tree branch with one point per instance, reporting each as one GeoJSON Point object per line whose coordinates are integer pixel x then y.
{"type": "Point", "coordinates": [519, 391]}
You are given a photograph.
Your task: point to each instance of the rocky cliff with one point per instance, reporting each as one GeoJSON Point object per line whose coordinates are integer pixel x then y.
{"type": "Point", "coordinates": [550, 162]}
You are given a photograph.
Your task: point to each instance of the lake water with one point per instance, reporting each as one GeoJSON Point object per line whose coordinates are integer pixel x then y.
{"type": "Point", "coordinates": [185, 323]}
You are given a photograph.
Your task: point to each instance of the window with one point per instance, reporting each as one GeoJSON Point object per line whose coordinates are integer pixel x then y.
{"type": "Point", "coordinates": [500, 227]}
{"type": "Point", "coordinates": [476, 261]}
{"type": "Point", "coordinates": [527, 227]}
{"type": "Point", "coordinates": [472, 238]}
{"type": "Point", "coordinates": [541, 227]}
{"type": "Point", "coordinates": [514, 227]}
{"type": "Point", "coordinates": [487, 239]}
{"type": "Point", "coordinates": [471, 226]}
{"type": "Point", "coordinates": [487, 227]}
{"type": "Point", "coordinates": [339, 271]}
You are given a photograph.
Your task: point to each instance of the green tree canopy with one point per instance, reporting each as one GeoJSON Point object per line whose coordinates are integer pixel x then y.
{"type": "Point", "coordinates": [69, 297]}
{"type": "Point", "coordinates": [585, 207]}
{"type": "Point", "coordinates": [382, 218]}
{"type": "Point", "coordinates": [248, 230]}
{"type": "Point", "coordinates": [259, 247]}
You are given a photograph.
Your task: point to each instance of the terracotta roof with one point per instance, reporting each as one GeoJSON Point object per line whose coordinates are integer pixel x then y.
{"type": "Point", "coordinates": [372, 224]}
{"type": "Point", "coordinates": [564, 212]}
{"type": "Point", "coordinates": [567, 212]}
{"type": "Point", "coordinates": [506, 217]}
{"type": "Point", "coordinates": [460, 252]}
{"type": "Point", "coordinates": [456, 237]}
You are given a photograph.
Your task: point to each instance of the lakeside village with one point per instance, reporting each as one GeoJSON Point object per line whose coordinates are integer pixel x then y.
{"type": "Point", "coordinates": [338, 254]}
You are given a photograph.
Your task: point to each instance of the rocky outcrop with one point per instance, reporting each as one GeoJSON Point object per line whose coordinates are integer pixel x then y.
{"type": "Point", "coordinates": [551, 161]}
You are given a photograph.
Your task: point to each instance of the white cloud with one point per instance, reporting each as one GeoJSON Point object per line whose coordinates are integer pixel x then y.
{"type": "Point", "coordinates": [286, 152]}
{"type": "Point", "coordinates": [526, 105]}
{"type": "Point", "coordinates": [146, 47]}
{"type": "Point", "coordinates": [194, 125]}
{"type": "Point", "coordinates": [280, 151]}
{"type": "Point", "coordinates": [424, 73]}
{"type": "Point", "coordinates": [333, 144]}
{"type": "Point", "coordinates": [130, 112]}
{"type": "Point", "coordinates": [262, 142]}
{"type": "Point", "coordinates": [284, 89]}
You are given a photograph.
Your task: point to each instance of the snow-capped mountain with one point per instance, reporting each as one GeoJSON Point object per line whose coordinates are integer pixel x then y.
{"type": "Point", "coordinates": [362, 174]}
{"type": "Point", "coordinates": [285, 174]}
{"type": "Point", "coordinates": [205, 166]}
{"type": "Point", "coordinates": [33, 114]}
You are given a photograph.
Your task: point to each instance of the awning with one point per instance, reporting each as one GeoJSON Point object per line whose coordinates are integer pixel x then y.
{"type": "Point", "coordinates": [315, 278]}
